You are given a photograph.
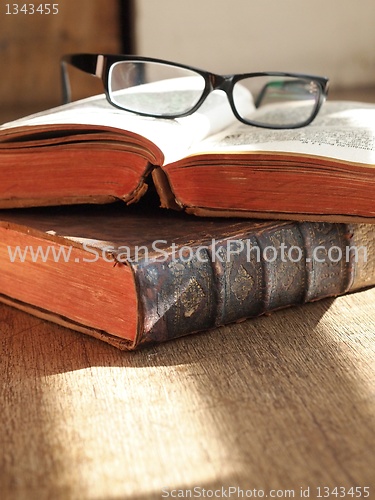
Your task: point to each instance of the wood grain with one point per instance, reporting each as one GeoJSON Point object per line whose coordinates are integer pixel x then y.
{"type": "Point", "coordinates": [284, 401]}
{"type": "Point", "coordinates": [31, 47]}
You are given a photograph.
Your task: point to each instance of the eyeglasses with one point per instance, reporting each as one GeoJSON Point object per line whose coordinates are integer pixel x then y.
{"type": "Point", "coordinates": [158, 88]}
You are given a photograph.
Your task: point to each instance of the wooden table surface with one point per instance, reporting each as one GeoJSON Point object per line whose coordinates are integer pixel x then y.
{"type": "Point", "coordinates": [281, 402]}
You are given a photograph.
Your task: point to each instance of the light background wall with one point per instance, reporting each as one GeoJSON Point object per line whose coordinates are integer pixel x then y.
{"type": "Point", "coordinates": [335, 38]}
{"type": "Point", "coordinates": [331, 37]}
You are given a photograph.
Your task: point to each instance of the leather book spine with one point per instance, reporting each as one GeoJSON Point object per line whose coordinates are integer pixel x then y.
{"type": "Point", "coordinates": [362, 243]}
{"type": "Point", "coordinates": [329, 267]}
{"type": "Point", "coordinates": [246, 275]}
{"type": "Point", "coordinates": [282, 266]}
{"type": "Point", "coordinates": [176, 296]}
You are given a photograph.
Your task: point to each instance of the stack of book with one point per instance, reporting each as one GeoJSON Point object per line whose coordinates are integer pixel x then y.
{"type": "Point", "coordinates": [138, 230]}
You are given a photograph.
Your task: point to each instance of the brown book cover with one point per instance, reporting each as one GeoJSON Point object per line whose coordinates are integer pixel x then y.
{"type": "Point", "coordinates": [206, 164]}
{"type": "Point", "coordinates": [134, 277]}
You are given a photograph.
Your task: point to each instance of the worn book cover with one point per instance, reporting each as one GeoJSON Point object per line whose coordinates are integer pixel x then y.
{"type": "Point", "coordinates": [133, 277]}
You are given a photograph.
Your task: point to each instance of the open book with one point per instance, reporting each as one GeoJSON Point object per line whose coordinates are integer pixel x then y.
{"type": "Point", "coordinates": [206, 164]}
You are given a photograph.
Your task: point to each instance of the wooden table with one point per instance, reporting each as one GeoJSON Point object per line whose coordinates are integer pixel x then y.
{"type": "Point", "coordinates": [282, 402]}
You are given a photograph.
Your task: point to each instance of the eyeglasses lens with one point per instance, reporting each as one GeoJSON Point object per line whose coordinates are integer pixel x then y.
{"type": "Point", "coordinates": [154, 88]}
{"type": "Point", "coordinates": [278, 100]}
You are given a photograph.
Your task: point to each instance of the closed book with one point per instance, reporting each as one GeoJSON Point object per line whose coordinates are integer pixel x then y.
{"type": "Point", "coordinates": [134, 277]}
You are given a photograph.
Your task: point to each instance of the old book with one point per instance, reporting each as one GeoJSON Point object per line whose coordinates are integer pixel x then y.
{"type": "Point", "coordinates": [205, 164]}
{"type": "Point", "coordinates": [132, 278]}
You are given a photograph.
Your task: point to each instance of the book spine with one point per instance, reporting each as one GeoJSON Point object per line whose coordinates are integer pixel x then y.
{"type": "Point", "coordinates": [176, 296]}
{"type": "Point", "coordinates": [230, 279]}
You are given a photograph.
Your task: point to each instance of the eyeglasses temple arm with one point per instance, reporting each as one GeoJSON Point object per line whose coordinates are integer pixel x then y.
{"type": "Point", "coordinates": [84, 62]}
{"type": "Point", "coordinates": [65, 83]}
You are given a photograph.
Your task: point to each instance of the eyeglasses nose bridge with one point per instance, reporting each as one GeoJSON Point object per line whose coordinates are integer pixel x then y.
{"type": "Point", "coordinates": [220, 82]}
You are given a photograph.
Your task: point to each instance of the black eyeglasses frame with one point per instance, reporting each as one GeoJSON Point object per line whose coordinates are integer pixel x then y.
{"type": "Point", "coordinates": [99, 65]}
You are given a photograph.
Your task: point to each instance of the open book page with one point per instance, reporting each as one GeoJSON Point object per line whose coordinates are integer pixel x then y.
{"type": "Point", "coordinates": [343, 130]}
{"type": "Point", "coordinates": [173, 137]}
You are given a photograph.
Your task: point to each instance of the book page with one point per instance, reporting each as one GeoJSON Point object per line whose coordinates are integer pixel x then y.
{"type": "Point", "coordinates": [174, 137]}
{"type": "Point", "coordinates": [343, 130]}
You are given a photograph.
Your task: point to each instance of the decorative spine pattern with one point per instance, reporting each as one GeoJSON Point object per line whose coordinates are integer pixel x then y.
{"type": "Point", "coordinates": [244, 276]}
